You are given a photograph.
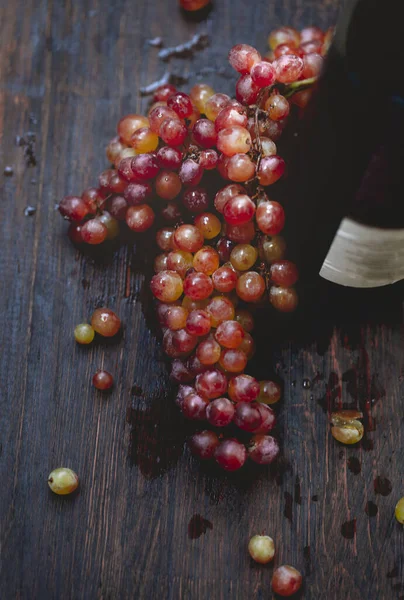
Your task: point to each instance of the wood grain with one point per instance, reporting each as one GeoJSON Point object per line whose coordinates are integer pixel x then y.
{"type": "Point", "coordinates": [69, 70]}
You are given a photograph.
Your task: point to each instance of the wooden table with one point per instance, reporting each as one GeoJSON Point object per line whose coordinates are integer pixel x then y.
{"type": "Point", "coordinates": [149, 521]}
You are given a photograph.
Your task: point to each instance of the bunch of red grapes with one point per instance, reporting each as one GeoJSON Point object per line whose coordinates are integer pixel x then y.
{"type": "Point", "coordinates": [220, 250]}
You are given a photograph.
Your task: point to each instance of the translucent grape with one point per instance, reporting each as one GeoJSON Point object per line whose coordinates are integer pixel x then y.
{"type": "Point", "coordinates": [220, 412]}
{"type": "Point", "coordinates": [208, 351]}
{"type": "Point", "coordinates": [263, 74]}
{"type": "Point", "coordinates": [283, 299]}
{"type": "Point", "coordinates": [250, 286]}
{"type": "Point", "coordinates": [313, 47]}
{"type": "Point", "coordinates": [163, 93]}
{"type": "Point", "coordinates": [126, 153]}
{"type": "Point", "coordinates": [84, 333]}
{"type": "Point", "coordinates": [308, 34]}
{"type": "Point", "coordinates": [229, 334]}
{"type": "Point", "coordinates": [288, 68]}
{"type": "Point", "coordinates": [233, 360]}
{"type": "Point", "coordinates": [105, 322]}
{"type": "Point", "coordinates": [240, 168]}
{"type": "Point", "coordinates": [200, 94]}
{"type": "Point", "coordinates": [245, 318]}
{"type": "Point", "coordinates": [268, 147]}
{"type": "Point", "coordinates": [179, 261]}
{"type": "Point", "coordinates": [102, 380]}
{"type": "Point", "coordinates": [144, 140]}
{"type": "Point", "coordinates": [248, 346]}
{"type": "Point", "coordinates": [211, 384]}
{"type": "Point", "coordinates": [188, 238]}
{"type": "Point", "coordinates": [285, 49]}
{"type": "Point", "coordinates": [198, 286]}
{"type": "Point", "coordinates": [242, 234]}
{"type": "Point", "coordinates": [111, 224]}
{"type": "Point", "coordinates": [231, 116]}
{"type": "Point", "coordinates": [166, 286]}
{"type": "Point", "coordinates": [73, 208]}
{"type": "Point", "coordinates": [272, 248]}
{"type": "Point", "coordinates": [198, 322]}
{"type": "Point", "coordinates": [284, 35]}
{"type": "Point", "coordinates": [190, 304]}
{"type": "Point", "coordinates": [284, 273]}
{"type": "Point", "coordinates": [160, 114]}
{"type": "Point", "coordinates": [206, 260]}
{"type": "Point", "coordinates": [129, 124]}
{"type": "Point", "coordinates": [270, 392]}
{"type": "Point", "coordinates": [168, 185]}
{"type": "Point", "coordinates": [194, 407]}
{"type": "Point", "coordinates": [224, 195]}
{"type": "Point", "coordinates": [173, 132]}
{"type": "Point", "coordinates": [247, 416]}
{"type": "Point", "coordinates": [139, 218]}
{"type": "Point", "coordinates": [261, 549]}
{"type": "Point", "coordinates": [160, 263]}
{"type": "Point", "coordinates": [271, 168]}
{"type": "Point", "coordinates": [243, 256]}
{"type": "Point", "coordinates": [208, 224]}
{"type": "Point", "coordinates": [312, 65]}
{"type": "Point", "coordinates": [230, 455]}
{"type": "Point", "coordinates": [204, 133]}
{"type": "Point", "coordinates": [215, 104]}
{"type": "Point", "coordinates": [220, 309]}
{"type": "Point", "coordinates": [246, 90]}
{"type": "Point", "coordinates": [181, 104]}
{"type": "Point", "coordinates": [286, 581]}
{"type": "Point", "coordinates": [94, 232]}
{"type": "Point", "coordinates": [234, 140]}
{"type": "Point", "coordinates": [183, 341]}
{"type": "Point", "coordinates": [224, 247]}
{"type": "Point", "coordinates": [239, 210]}
{"type": "Point", "coordinates": [63, 481]}
{"type": "Point", "coordinates": [224, 279]}
{"type": "Point", "coordinates": [263, 449]}
{"type": "Point", "coordinates": [243, 57]}
{"type": "Point", "coordinates": [176, 318]}
{"type": "Point", "coordinates": [204, 444]}
{"type": "Point", "coordinates": [270, 217]}
{"type": "Point", "coordinates": [277, 107]}
{"type": "Point", "coordinates": [244, 388]}
{"type": "Point", "coordinates": [164, 238]}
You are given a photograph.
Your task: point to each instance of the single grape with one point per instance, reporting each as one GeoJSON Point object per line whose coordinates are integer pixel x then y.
{"type": "Point", "coordinates": [105, 322]}
{"type": "Point", "coordinates": [246, 90]}
{"type": "Point", "coordinates": [140, 218]}
{"type": "Point", "coordinates": [208, 352]}
{"type": "Point", "coordinates": [169, 158]}
{"type": "Point", "coordinates": [240, 168]}
{"type": "Point", "coordinates": [263, 449]}
{"type": "Point", "coordinates": [272, 249]}
{"type": "Point", "coordinates": [208, 224]}
{"type": "Point", "coordinates": [204, 444]}
{"type": "Point", "coordinates": [93, 199]}
{"type": "Point", "coordinates": [194, 407]}
{"type": "Point", "coordinates": [190, 304]}
{"type": "Point", "coordinates": [144, 140]}
{"type": "Point", "coordinates": [117, 184]}
{"type": "Point", "coordinates": [398, 511]}
{"type": "Point", "coordinates": [208, 159]}
{"type": "Point", "coordinates": [231, 116]}
{"type": "Point", "coordinates": [73, 208]}
{"type": "Point", "coordinates": [113, 149]}
{"type": "Point", "coordinates": [277, 107]}
{"type": "Point", "coordinates": [261, 549]}
{"type": "Point", "coordinates": [250, 286]}
{"type": "Point", "coordinates": [190, 172]}
{"type": "Point", "coordinates": [270, 217]}
{"type": "Point", "coordinates": [284, 273]}
{"type": "Point", "coordinates": [242, 234]}
{"type": "Point", "coordinates": [224, 247]}
{"type": "Point", "coordinates": [111, 224]}
{"type": "Point", "coordinates": [173, 132]}
{"type": "Point", "coordinates": [102, 380]}
{"type": "Point", "coordinates": [263, 74]}
{"type": "Point", "coordinates": [270, 392]}
{"type": "Point", "coordinates": [215, 104]}
{"type": "Point", "coordinates": [229, 334]}
{"type": "Point", "coordinates": [163, 92]}
{"type": "Point", "coordinates": [239, 210]}
{"type": "Point", "coordinates": [196, 200]}
{"type": "Point", "coordinates": [245, 318]}
{"type": "Point", "coordinates": [284, 35]}
{"type": "Point", "coordinates": [160, 114]}
{"type": "Point", "coordinates": [220, 309]}
{"type": "Point", "coordinates": [233, 140]}
{"type": "Point", "coordinates": [200, 94]}
{"type": "Point", "coordinates": [126, 153]}
{"type": "Point", "coordinates": [233, 360]}
{"type": "Point", "coordinates": [179, 261]}
{"type": "Point", "coordinates": [224, 279]}
{"type": "Point", "coordinates": [268, 419]}
{"type": "Point", "coordinates": [125, 170]}
{"type": "Point", "coordinates": [181, 104]}
{"type": "Point", "coordinates": [74, 233]}
{"type": "Point", "coordinates": [220, 412]}
{"type": "Point", "coordinates": [188, 238]}
{"type": "Point", "coordinates": [312, 65]}
{"type": "Point", "coordinates": [313, 47]}
{"type": "Point", "coordinates": [271, 168]}
{"type": "Point", "coordinates": [346, 427]}
{"type": "Point", "coordinates": [243, 256]}
{"type": "Point", "coordinates": [268, 147]}
{"type": "Point", "coordinates": [204, 133]}
{"type": "Point", "coordinates": [285, 49]}
{"type": "Point", "coordinates": [84, 333]}
{"type": "Point", "coordinates": [160, 263]}
{"type": "Point", "coordinates": [283, 299]}
{"type": "Point", "coordinates": [117, 207]}
{"type": "Point", "coordinates": [230, 455]}
{"type": "Point", "coordinates": [247, 416]}
{"type": "Point", "coordinates": [164, 238]}
{"type": "Point", "coordinates": [168, 345]}
{"type": "Point", "coordinates": [198, 322]}
{"type": "Point", "coordinates": [94, 232]}
{"type": "Point", "coordinates": [286, 581]}
{"type": "Point", "coordinates": [288, 68]}
{"type": "Point", "coordinates": [244, 388]}
{"type": "Point", "coordinates": [198, 286]}
{"type": "Point", "coordinates": [168, 185]}
{"type": "Point", "coordinates": [129, 124]}
{"type": "Point", "coordinates": [176, 318]}
{"type": "Point", "coordinates": [308, 34]}
{"type": "Point", "coordinates": [162, 310]}
{"type": "Point", "coordinates": [301, 99]}
{"type": "Point", "coordinates": [247, 346]}
{"type": "Point", "coordinates": [166, 286]}
{"type": "Point", "coordinates": [183, 391]}
{"type": "Point", "coordinates": [63, 481]}
{"type": "Point", "coordinates": [211, 384]}
{"type": "Point", "coordinates": [145, 166]}
{"type": "Point", "coordinates": [243, 57]}
{"type": "Point", "coordinates": [183, 341]}
{"type": "Point", "coordinates": [206, 260]}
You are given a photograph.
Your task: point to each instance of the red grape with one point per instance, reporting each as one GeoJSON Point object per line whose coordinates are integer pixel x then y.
{"type": "Point", "coordinates": [179, 261]}
{"type": "Point", "coordinates": [168, 185]}
{"type": "Point", "coordinates": [183, 341]}
{"type": "Point", "coordinates": [220, 412]}
{"type": "Point", "coordinates": [271, 168]}
{"type": "Point", "coordinates": [220, 309]}
{"type": "Point", "coordinates": [206, 260]}
{"type": "Point", "coordinates": [244, 388]}
{"type": "Point", "coordinates": [137, 193]}
{"type": "Point", "coordinates": [230, 455]}
{"type": "Point", "coordinates": [247, 416]}
{"type": "Point", "coordinates": [243, 57]}
{"type": "Point", "coordinates": [181, 104]}
{"type": "Point", "coordinates": [140, 218]}
{"type": "Point", "coordinates": [190, 172]}
{"type": "Point", "coordinates": [246, 90]}
{"type": "Point", "coordinates": [158, 115]}
{"type": "Point", "coordinates": [196, 200]}
{"type": "Point", "coordinates": [250, 286]}
{"type": "Point", "coordinates": [94, 232]}
{"type": "Point", "coordinates": [233, 360]}
{"type": "Point", "coordinates": [188, 238]}
{"type": "Point", "coordinates": [169, 158]}
{"type": "Point", "coordinates": [198, 322]}
{"type": "Point", "coordinates": [239, 210]}
{"type": "Point", "coordinates": [211, 384]}
{"type": "Point", "coordinates": [229, 334]}
{"type": "Point", "coordinates": [129, 124]}
{"type": "Point", "coordinates": [194, 407]}
{"type": "Point", "coordinates": [73, 208]}
{"type": "Point", "coordinates": [208, 351]}
{"type": "Point", "coordinates": [166, 286]}
{"type": "Point", "coordinates": [204, 444]}
{"type": "Point", "coordinates": [263, 74]}
{"type": "Point", "coordinates": [198, 286]}
{"type": "Point", "coordinates": [288, 68]}
{"type": "Point", "coordinates": [173, 132]}
{"type": "Point", "coordinates": [145, 166]}
{"type": "Point", "coordinates": [163, 93]}
{"type": "Point", "coordinates": [224, 279]}
{"type": "Point", "coordinates": [231, 116]}
{"type": "Point", "coordinates": [283, 299]}
{"type": "Point", "coordinates": [234, 140]}
{"type": "Point", "coordinates": [284, 273]}
{"type": "Point", "coordinates": [204, 133]}
{"type": "Point", "coordinates": [208, 159]}
{"type": "Point", "coordinates": [270, 217]}
{"type": "Point", "coordinates": [263, 449]}
{"type": "Point", "coordinates": [286, 580]}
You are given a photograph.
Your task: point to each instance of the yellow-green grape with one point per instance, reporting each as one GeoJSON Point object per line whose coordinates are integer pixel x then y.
{"type": "Point", "coordinates": [243, 256]}
{"type": "Point", "coordinates": [272, 248]}
{"type": "Point", "coordinates": [261, 548]}
{"type": "Point", "coordinates": [111, 224]}
{"type": "Point", "coordinates": [399, 511]}
{"type": "Point", "coordinates": [63, 481]}
{"type": "Point", "coordinates": [270, 392]}
{"type": "Point", "coordinates": [84, 333]}
{"type": "Point", "coordinates": [346, 427]}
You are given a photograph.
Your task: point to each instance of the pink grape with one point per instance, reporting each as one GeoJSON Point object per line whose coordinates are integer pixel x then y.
{"type": "Point", "coordinates": [239, 210]}
{"type": "Point", "coordinates": [198, 286]}
{"type": "Point", "coordinates": [198, 322]}
{"type": "Point", "coordinates": [270, 217]}
{"type": "Point", "coordinates": [220, 412]}
{"type": "Point", "coordinates": [243, 57]}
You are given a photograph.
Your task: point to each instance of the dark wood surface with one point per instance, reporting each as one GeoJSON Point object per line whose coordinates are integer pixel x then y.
{"type": "Point", "coordinates": [148, 520]}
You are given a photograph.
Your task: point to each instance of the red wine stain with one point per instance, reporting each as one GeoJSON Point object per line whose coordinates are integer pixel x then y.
{"type": "Point", "coordinates": [288, 506]}
{"type": "Point", "coordinates": [307, 560]}
{"type": "Point", "coordinates": [367, 444]}
{"type": "Point", "coordinates": [197, 526]}
{"type": "Point", "coordinates": [85, 283]}
{"type": "Point", "coordinates": [393, 573]}
{"type": "Point", "coordinates": [280, 468]}
{"type": "Point", "coordinates": [350, 377]}
{"type": "Point", "coordinates": [398, 587]}
{"type": "Point", "coordinates": [298, 495]}
{"type": "Point", "coordinates": [341, 454]}
{"type": "Point", "coordinates": [348, 529]}
{"type": "Point", "coordinates": [354, 465]}
{"type": "Point", "coordinates": [332, 398]}
{"type": "Point", "coordinates": [382, 486]}
{"type": "Point", "coordinates": [371, 509]}
{"type": "Point", "coordinates": [318, 377]}
{"type": "Point", "coordinates": [314, 498]}
{"type": "Point", "coordinates": [377, 391]}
